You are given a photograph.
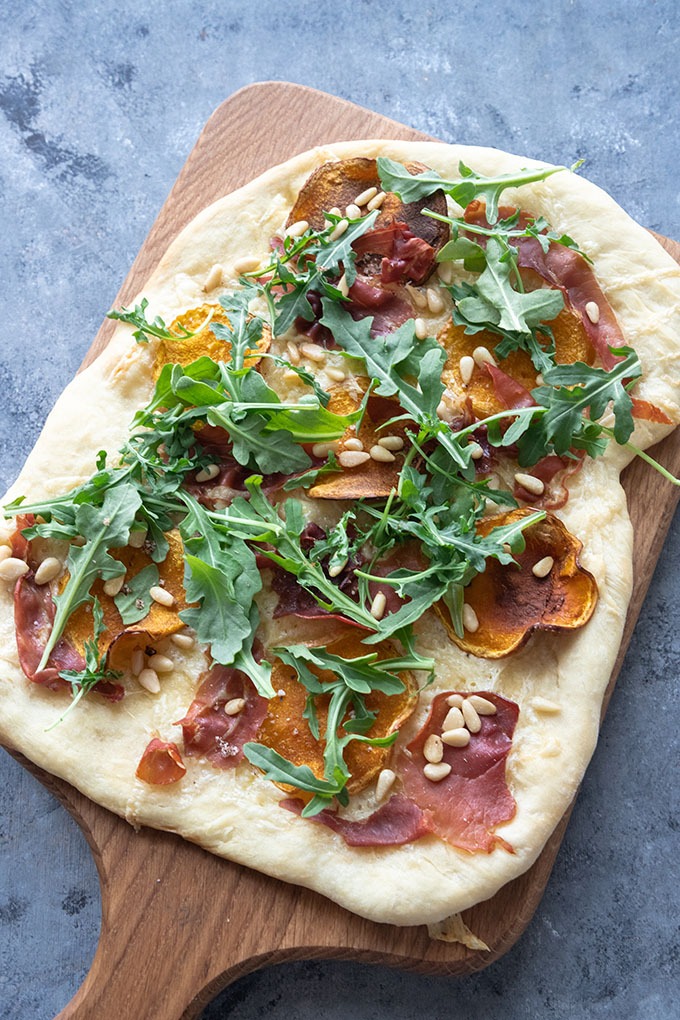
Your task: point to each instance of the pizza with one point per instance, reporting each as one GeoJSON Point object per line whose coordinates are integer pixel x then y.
{"type": "Point", "coordinates": [324, 563]}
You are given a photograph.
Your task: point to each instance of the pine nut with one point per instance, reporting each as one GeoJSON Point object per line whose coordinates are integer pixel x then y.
{"type": "Point", "coordinates": [472, 720]}
{"type": "Point", "coordinates": [163, 663]}
{"type": "Point", "coordinates": [336, 374]}
{"type": "Point", "coordinates": [592, 310]}
{"type": "Point", "coordinates": [293, 353]}
{"type": "Point", "coordinates": [539, 379]}
{"type": "Point", "coordinates": [182, 640]}
{"type": "Point", "coordinates": [352, 212]}
{"type": "Point", "coordinates": [161, 596]}
{"type": "Point", "coordinates": [234, 706]}
{"type": "Point", "coordinates": [290, 376]}
{"type": "Point", "coordinates": [545, 705]}
{"type": "Point", "coordinates": [386, 780]}
{"type": "Point", "coordinates": [445, 272]}
{"type": "Point", "coordinates": [483, 356]}
{"type": "Point", "coordinates": [337, 569]}
{"type": "Point", "coordinates": [365, 197]}
{"type": "Point", "coordinates": [320, 450]}
{"type": "Point", "coordinates": [380, 454]}
{"type": "Point", "coordinates": [246, 265]}
{"type": "Point", "coordinates": [48, 570]}
{"type": "Point", "coordinates": [456, 738]}
{"type": "Point", "coordinates": [208, 473]}
{"type": "Point", "coordinates": [435, 773]}
{"type": "Point", "coordinates": [531, 483]}
{"type": "Point", "coordinates": [454, 718]}
{"type": "Point", "coordinates": [339, 229]}
{"type": "Point", "coordinates": [421, 329]}
{"type": "Point", "coordinates": [377, 201]}
{"type": "Point", "coordinates": [313, 352]}
{"type": "Point", "coordinates": [353, 444]}
{"type": "Point", "coordinates": [335, 211]}
{"type": "Point", "coordinates": [343, 286]}
{"type": "Point", "coordinates": [137, 538]}
{"type": "Point", "coordinates": [5, 552]}
{"type": "Point", "coordinates": [391, 442]}
{"type": "Point", "coordinates": [433, 750]}
{"type": "Point", "coordinates": [148, 679]}
{"type": "Point", "coordinates": [113, 586]}
{"type": "Point", "coordinates": [470, 621]}
{"type": "Point", "coordinates": [214, 278]}
{"type": "Point", "coordinates": [378, 606]}
{"type": "Point", "coordinates": [444, 412]}
{"type": "Point", "coordinates": [466, 367]}
{"type": "Point", "coordinates": [543, 567]}
{"type": "Point", "coordinates": [13, 568]}
{"type": "Point", "coordinates": [352, 458]}
{"type": "Point", "coordinates": [297, 229]}
{"type": "Point", "coordinates": [137, 661]}
{"type": "Point", "coordinates": [481, 705]}
{"type": "Point", "coordinates": [417, 297]}
{"type": "Point", "coordinates": [476, 452]}
{"type": "Point", "coordinates": [454, 700]}
{"type": "Point", "coordinates": [435, 302]}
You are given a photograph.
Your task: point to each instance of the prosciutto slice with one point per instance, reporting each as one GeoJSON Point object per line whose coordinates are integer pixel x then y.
{"type": "Point", "coordinates": [465, 807]}
{"type": "Point", "coordinates": [33, 619]}
{"type": "Point", "coordinates": [161, 763]}
{"type": "Point", "coordinates": [397, 822]}
{"type": "Point", "coordinates": [208, 731]}
{"type": "Point", "coordinates": [405, 256]}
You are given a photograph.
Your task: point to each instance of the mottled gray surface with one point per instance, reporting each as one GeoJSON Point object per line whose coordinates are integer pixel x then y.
{"type": "Point", "coordinates": [99, 106]}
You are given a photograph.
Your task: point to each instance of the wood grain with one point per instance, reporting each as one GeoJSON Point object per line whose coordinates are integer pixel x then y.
{"type": "Point", "coordinates": [177, 923]}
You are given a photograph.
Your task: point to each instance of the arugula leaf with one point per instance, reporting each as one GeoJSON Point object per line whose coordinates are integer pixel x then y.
{"type": "Point", "coordinates": [103, 528]}
{"type": "Point", "coordinates": [471, 185]}
{"type": "Point", "coordinates": [133, 601]}
{"type": "Point", "coordinates": [146, 330]}
{"type": "Point", "coordinates": [311, 477]}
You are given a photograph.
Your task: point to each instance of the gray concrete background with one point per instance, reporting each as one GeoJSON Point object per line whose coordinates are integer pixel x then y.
{"type": "Point", "coordinates": [100, 104]}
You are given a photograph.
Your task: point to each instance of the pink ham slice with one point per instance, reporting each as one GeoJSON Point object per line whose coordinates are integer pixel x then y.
{"type": "Point", "coordinates": [208, 731]}
{"type": "Point", "coordinates": [466, 806]}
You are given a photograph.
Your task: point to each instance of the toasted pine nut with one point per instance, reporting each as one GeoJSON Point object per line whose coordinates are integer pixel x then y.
{"type": "Point", "coordinates": [353, 444]}
{"type": "Point", "coordinates": [337, 569]}
{"type": "Point", "coordinates": [417, 297]}
{"type": "Point", "coordinates": [148, 679]}
{"type": "Point", "coordinates": [481, 705]}
{"type": "Point", "coordinates": [592, 310]}
{"type": "Point", "coordinates": [472, 720]}
{"type": "Point", "coordinates": [476, 452]}
{"type": "Point", "coordinates": [234, 706]}
{"type": "Point", "coordinates": [433, 750]}
{"type": "Point", "coordinates": [365, 197]}
{"type": "Point", "coordinates": [343, 285]}
{"type": "Point", "coordinates": [335, 211]}
{"type": "Point", "coordinates": [531, 483]}
{"type": "Point", "coordinates": [445, 271]}
{"type": "Point", "coordinates": [12, 568]}
{"type": "Point", "coordinates": [454, 719]}
{"type": "Point", "coordinates": [378, 606]}
{"type": "Point", "coordinates": [386, 779]}
{"type": "Point", "coordinates": [379, 453]}
{"type": "Point", "coordinates": [321, 449]}
{"type": "Point", "coordinates": [5, 552]}
{"type": "Point", "coordinates": [352, 458]}
{"type": "Point", "coordinates": [208, 473]}
{"type": "Point", "coordinates": [297, 229]}
{"type": "Point", "coordinates": [459, 737]}
{"type": "Point", "coordinates": [435, 773]}
{"type": "Point", "coordinates": [435, 302]}
{"type": "Point", "coordinates": [467, 367]}
{"type": "Point", "coordinates": [421, 329]}
{"type": "Point", "coordinates": [483, 356]}
{"type": "Point", "coordinates": [391, 442]}
{"type": "Point", "coordinates": [137, 661]}
{"type": "Point", "coordinates": [214, 278]}
{"type": "Point", "coordinates": [454, 700]}
{"type": "Point", "coordinates": [50, 568]}
{"type": "Point", "coordinates": [545, 705]}
{"type": "Point", "coordinates": [340, 228]}
{"type": "Point", "coordinates": [293, 353]}
{"type": "Point", "coordinates": [543, 567]}
{"type": "Point", "coordinates": [182, 640]}
{"type": "Point", "coordinates": [137, 538]}
{"type": "Point", "coordinates": [539, 379]}
{"type": "Point", "coordinates": [353, 212]}
{"type": "Point", "coordinates": [313, 352]}
{"type": "Point", "coordinates": [376, 201]}
{"type": "Point", "coordinates": [161, 596]}
{"type": "Point", "coordinates": [336, 374]}
{"type": "Point", "coordinates": [113, 586]}
{"type": "Point", "coordinates": [470, 621]}
{"type": "Point", "coordinates": [163, 663]}
{"type": "Point", "coordinates": [246, 265]}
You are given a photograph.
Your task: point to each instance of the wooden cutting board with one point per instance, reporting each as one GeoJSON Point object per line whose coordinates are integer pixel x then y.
{"type": "Point", "coordinates": [177, 923]}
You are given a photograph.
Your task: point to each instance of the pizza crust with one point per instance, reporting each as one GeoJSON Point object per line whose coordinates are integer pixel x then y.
{"type": "Point", "coordinates": [235, 813]}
